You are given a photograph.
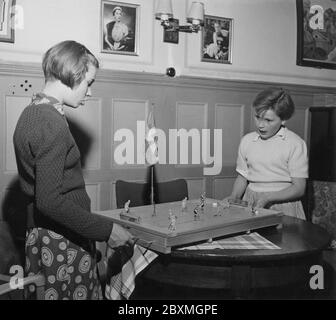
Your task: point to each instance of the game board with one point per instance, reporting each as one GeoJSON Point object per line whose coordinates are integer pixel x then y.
{"type": "Point", "coordinates": [170, 224]}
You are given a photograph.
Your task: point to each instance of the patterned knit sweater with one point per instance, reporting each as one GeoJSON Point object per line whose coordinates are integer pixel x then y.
{"type": "Point", "coordinates": [48, 161]}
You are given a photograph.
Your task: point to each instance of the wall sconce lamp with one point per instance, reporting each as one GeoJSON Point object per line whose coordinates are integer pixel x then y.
{"type": "Point", "coordinates": [195, 17]}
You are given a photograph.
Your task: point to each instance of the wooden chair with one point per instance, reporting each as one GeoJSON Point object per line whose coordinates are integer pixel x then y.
{"type": "Point", "coordinates": [138, 193]}
{"type": "Point", "coordinates": [169, 191]}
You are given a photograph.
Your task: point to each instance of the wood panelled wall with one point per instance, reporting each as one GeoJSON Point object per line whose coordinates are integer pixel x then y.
{"type": "Point", "coordinates": [122, 98]}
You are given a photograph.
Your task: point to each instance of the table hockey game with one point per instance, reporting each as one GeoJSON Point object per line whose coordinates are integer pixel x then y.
{"type": "Point", "coordinates": [163, 226]}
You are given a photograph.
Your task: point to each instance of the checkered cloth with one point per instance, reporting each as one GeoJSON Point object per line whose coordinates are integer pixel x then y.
{"type": "Point", "coordinates": [122, 285]}
{"type": "Point", "coordinates": [247, 241]}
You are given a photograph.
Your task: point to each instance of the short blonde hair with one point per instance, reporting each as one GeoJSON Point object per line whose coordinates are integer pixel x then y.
{"type": "Point", "coordinates": [276, 99]}
{"type": "Point", "coordinates": [68, 61]}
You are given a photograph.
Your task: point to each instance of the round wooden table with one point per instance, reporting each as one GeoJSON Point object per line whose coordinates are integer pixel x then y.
{"type": "Point", "coordinates": [197, 273]}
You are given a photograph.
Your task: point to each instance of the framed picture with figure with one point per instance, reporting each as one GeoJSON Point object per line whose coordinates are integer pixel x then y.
{"type": "Point", "coordinates": [217, 40]}
{"type": "Point", "coordinates": [171, 36]}
{"type": "Point", "coordinates": [7, 20]}
{"type": "Point", "coordinates": [316, 33]}
{"type": "Point", "coordinates": [119, 27]}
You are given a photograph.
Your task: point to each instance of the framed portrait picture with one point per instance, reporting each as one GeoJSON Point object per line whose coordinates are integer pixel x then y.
{"type": "Point", "coordinates": [119, 27]}
{"type": "Point", "coordinates": [217, 40]}
{"type": "Point", "coordinates": [7, 21]}
{"type": "Point", "coordinates": [316, 33]}
{"type": "Point", "coordinates": [171, 36]}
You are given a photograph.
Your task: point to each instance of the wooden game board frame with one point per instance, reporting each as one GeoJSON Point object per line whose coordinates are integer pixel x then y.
{"type": "Point", "coordinates": [161, 240]}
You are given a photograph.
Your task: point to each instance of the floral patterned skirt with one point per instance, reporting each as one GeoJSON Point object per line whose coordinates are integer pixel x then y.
{"type": "Point", "coordinates": [70, 272]}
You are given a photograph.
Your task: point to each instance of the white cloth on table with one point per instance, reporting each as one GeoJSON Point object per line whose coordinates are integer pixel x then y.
{"type": "Point", "coordinates": [252, 241]}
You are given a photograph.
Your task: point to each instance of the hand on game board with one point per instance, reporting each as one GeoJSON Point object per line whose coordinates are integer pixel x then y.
{"type": "Point", "coordinates": [261, 202]}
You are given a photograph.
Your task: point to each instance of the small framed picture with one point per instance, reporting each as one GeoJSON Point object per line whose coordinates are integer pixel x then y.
{"type": "Point", "coordinates": [217, 40]}
{"type": "Point", "coordinates": [7, 14]}
{"type": "Point", "coordinates": [119, 27]}
{"type": "Point", "coordinates": [171, 36]}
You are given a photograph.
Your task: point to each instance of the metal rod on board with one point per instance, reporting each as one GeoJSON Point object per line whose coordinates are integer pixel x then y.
{"type": "Point", "coordinates": [152, 191]}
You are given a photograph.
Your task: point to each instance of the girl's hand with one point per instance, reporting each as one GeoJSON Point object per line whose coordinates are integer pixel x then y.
{"type": "Point", "coordinates": [262, 202]}
{"type": "Point", "coordinates": [119, 236]}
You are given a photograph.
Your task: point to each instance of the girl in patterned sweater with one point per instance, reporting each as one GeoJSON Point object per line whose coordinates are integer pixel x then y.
{"type": "Point", "coordinates": [61, 230]}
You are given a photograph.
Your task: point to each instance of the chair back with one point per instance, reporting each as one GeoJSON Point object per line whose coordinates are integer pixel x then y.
{"type": "Point", "coordinates": [169, 191]}
{"type": "Point", "coordinates": [322, 206]}
{"type": "Point", "coordinates": [138, 193]}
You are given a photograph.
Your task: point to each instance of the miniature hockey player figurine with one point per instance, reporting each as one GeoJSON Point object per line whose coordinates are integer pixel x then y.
{"type": "Point", "coordinates": [254, 211]}
{"type": "Point", "coordinates": [126, 207]}
{"type": "Point", "coordinates": [202, 199]}
{"type": "Point", "coordinates": [196, 214]}
{"type": "Point", "coordinates": [184, 205]}
{"type": "Point", "coordinates": [215, 209]}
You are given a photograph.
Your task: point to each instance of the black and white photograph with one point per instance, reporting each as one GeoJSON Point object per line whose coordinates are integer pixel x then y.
{"type": "Point", "coordinates": [7, 17]}
{"type": "Point", "coordinates": [171, 36]}
{"type": "Point", "coordinates": [217, 40]}
{"type": "Point", "coordinates": [119, 27]}
{"type": "Point", "coordinates": [167, 157]}
{"type": "Point", "coordinates": [316, 22]}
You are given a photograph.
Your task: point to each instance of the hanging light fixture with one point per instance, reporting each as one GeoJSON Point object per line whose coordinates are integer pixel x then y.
{"type": "Point", "coordinates": [195, 17]}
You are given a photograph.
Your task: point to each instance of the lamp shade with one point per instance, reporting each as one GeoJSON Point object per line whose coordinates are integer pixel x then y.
{"type": "Point", "coordinates": [196, 12]}
{"type": "Point", "coordinates": [164, 8]}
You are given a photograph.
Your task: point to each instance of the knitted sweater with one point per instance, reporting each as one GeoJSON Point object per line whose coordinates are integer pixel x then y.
{"type": "Point", "coordinates": [48, 162]}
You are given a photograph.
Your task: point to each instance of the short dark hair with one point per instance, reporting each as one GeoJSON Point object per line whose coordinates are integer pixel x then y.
{"type": "Point", "coordinates": [276, 99]}
{"type": "Point", "coordinates": [68, 61]}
